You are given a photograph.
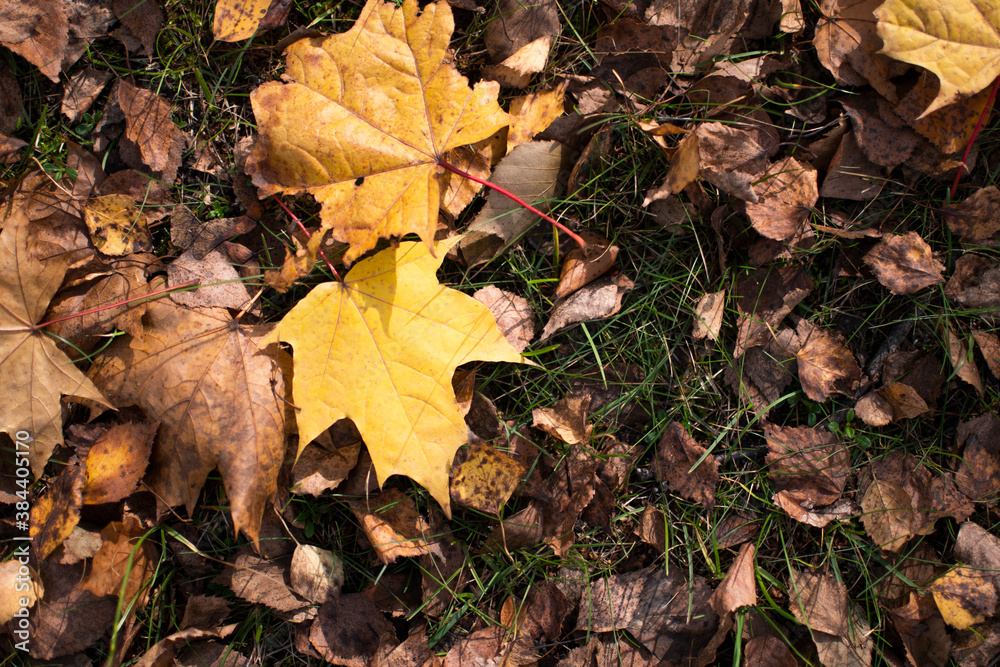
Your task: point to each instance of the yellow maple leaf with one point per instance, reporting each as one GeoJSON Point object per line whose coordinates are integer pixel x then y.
{"type": "Point", "coordinates": [958, 40]}
{"type": "Point", "coordinates": [365, 120]}
{"type": "Point", "coordinates": [381, 349]}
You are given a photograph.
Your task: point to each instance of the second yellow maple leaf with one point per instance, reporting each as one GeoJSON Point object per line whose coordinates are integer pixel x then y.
{"type": "Point", "coordinates": [381, 349]}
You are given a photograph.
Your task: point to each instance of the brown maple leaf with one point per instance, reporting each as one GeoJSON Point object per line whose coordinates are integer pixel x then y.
{"type": "Point", "coordinates": [219, 397]}
{"type": "Point", "coordinates": [35, 371]}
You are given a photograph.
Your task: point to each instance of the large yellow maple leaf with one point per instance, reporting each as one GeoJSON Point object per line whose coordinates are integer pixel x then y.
{"type": "Point", "coordinates": [381, 349]}
{"type": "Point", "coordinates": [365, 119]}
{"type": "Point", "coordinates": [958, 40]}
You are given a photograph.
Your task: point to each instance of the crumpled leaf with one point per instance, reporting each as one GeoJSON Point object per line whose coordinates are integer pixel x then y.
{"type": "Point", "coordinates": [364, 120]}
{"type": "Point", "coordinates": [220, 399]}
{"type": "Point", "coordinates": [390, 338]}
{"type": "Point", "coordinates": [393, 526]}
{"type": "Point", "coordinates": [958, 40]}
{"type": "Point", "coordinates": [598, 300]}
{"type": "Point", "coordinates": [36, 373]}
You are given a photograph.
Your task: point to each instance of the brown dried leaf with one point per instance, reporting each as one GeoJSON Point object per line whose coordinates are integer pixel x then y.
{"type": "Point", "coordinates": [786, 194]}
{"type": "Point", "coordinates": [730, 159]}
{"type": "Point", "coordinates": [567, 421]}
{"type": "Point", "coordinates": [150, 129]}
{"type": "Point", "coordinates": [881, 135]}
{"type": "Point", "coordinates": [904, 263]}
{"type": "Point", "coordinates": [665, 613]}
{"type": "Point", "coordinates": [975, 283]}
{"type": "Point", "coordinates": [676, 454]}
{"type": "Point", "coordinates": [739, 587]}
{"type": "Point", "coordinates": [350, 630]}
{"type": "Point", "coordinates": [582, 266]}
{"type": "Point", "coordinates": [487, 478]}
{"type": "Point", "coordinates": [841, 510]}
{"type": "Point", "coordinates": [819, 602]}
{"type": "Point", "coordinates": [763, 299]}
{"type": "Point", "coordinates": [188, 363]}
{"type": "Point", "coordinates": [514, 315]}
{"type": "Point", "coordinates": [393, 526]}
{"type": "Point", "coordinates": [989, 345]}
{"type": "Point", "coordinates": [873, 409]}
{"type": "Point", "coordinates": [977, 218]}
{"type": "Point", "coordinates": [977, 473]}
{"type": "Point", "coordinates": [963, 362]}
{"type": "Point", "coordinates": [81, 91]}
{"type": "Point", "coordinates": [769, 651]}
{"type": "Point", "coordinates": [62, 629]}
{"type": "Point", "coordinates": [261, 581]}
{"type": "Point", "coordinates": [187, 232]}
{"type": "Point", "coordinates": [322, 467]}
{"type": "Point", "coordinates": [809, 464]}
{"type": "Point", "coordinates": [122, 556]}
{"type": "Point", "coordinates": [38, 32]}
{"type": "Point", "coordinates": [652, 528]}
{"type": "Point", "coordinates": [708, 316]}
{"type": "Point", "coordinates": [220, 285]}
{"type": "Point", "coordinates": [536, 172]}
{"type": "Point", "coordinates": [922, 629]}
{"type": "Point", "coordinates": [888, 514]}
{"type": "Point", "coordinates": [517, 24]}
{"type": "Point", "coordinates": [316, 574]}
{"type": "Point", "coordinates": [598, 300]}
{"type": "Point", "coordinates": [851, 175]}
{"type": "Point", "coordinates": [825, 364]}
{"type": "Point", "coordinates": [140, 24]}
{"type": "Point", "coordinates": [848, 45]}
{"type": "Point", "coordinates": [117, 460]}
{"type": "Point", "coordinates": [904, 401]}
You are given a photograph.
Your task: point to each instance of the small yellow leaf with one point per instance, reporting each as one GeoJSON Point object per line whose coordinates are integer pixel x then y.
{"type": "Point", "coordinates": [381, 349]}
{"type": "Point", "coordinates": [964, 597]}
{"type": "Point", "coordinates": [487, 478]}
{"type": "Point", "coordinates": [116, 226]}
{"type": "Point", "coordinates": [237, 20]}
{"type": "Point", "coordinates": [958, 40]}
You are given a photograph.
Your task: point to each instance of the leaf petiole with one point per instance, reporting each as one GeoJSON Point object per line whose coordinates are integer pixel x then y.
{"type": "Point", "coordinates": [507, 193]}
